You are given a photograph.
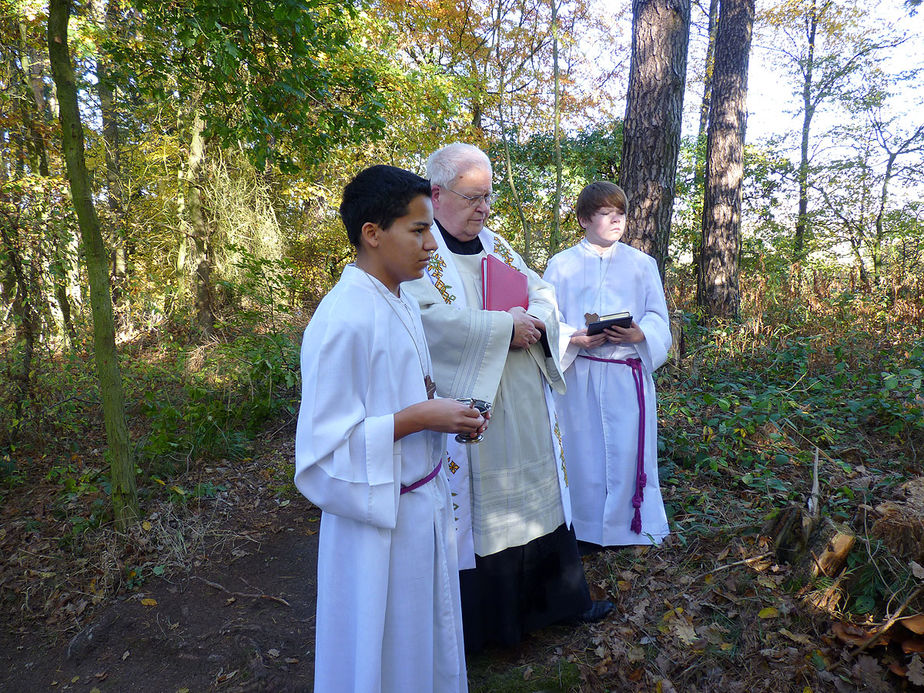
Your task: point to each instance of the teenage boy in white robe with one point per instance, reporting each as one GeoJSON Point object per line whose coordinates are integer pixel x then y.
{"type": "Point", "coordinates": [368, 452]}
{"type": "Point", "coordinates": [608, 414]}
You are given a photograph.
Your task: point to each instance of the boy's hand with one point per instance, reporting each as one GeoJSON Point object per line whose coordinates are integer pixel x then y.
{"type": "Point", "coordinates": [441, 415]}
{"type": "Point", "coordinates": [584, 341]}
{"type": "Point", "coordinates": [625, 335]}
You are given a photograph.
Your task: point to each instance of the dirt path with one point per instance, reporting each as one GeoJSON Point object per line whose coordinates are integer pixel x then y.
{"type": "Point", "coordinates": [707, 612]}
{"type": "Point", "coordinates": [244, 622]}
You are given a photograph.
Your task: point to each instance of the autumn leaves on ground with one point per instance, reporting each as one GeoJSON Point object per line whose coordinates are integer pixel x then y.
{"type": "Point", "coordinates": [213, 589]}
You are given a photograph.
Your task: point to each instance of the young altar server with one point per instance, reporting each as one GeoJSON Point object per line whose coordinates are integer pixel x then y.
{"type": "Point", "coordinates": [608, 415]}
{"type": "Point", "coordinates": [368, 452]}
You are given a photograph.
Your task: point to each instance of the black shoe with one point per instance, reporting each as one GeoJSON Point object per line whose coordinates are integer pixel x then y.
{"type": "Point", "coordinates": [598, 610]}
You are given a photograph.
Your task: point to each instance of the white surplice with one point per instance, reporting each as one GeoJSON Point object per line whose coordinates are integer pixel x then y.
{"type": "Point", "coordinates": [510, 488]}
{"type": "Point", "coordinates": [388, 617]}
{"type": "Point", "coordinates": [599, 413]}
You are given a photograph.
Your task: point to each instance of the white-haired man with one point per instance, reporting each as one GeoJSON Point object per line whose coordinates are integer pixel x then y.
{"type": "Point", "coordinates": [521, 569]}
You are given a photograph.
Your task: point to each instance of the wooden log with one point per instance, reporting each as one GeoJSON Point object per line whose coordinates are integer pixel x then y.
{"type": "Point", "coordinates": [832, 559]}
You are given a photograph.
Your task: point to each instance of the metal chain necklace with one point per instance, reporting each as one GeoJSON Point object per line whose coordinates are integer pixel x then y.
{"type": "Point", "coordinates": [389, 297]}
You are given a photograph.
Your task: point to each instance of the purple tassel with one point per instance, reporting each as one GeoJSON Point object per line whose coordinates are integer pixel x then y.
{"type": "Point", "coordinates": [637, 522]}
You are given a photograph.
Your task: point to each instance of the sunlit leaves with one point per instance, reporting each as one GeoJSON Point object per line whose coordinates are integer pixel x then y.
{"type": "Point", "coordinates": [279, 78]}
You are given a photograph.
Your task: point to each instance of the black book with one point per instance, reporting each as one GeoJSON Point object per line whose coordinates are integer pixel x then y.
{"type": "Point", "coordinates": [622, 319]}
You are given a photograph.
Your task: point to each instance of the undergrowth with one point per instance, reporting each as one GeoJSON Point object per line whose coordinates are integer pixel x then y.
{"type": "Point", "coordinates": [810, 366]}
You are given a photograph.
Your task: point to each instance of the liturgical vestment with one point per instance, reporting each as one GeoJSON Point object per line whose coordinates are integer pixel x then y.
{"type": "Point", "coordinates": [600, 411]}
{"type": "Point", "coordinates": [388, 615]}
{"type": "Point", "coordinates": [516, 484]}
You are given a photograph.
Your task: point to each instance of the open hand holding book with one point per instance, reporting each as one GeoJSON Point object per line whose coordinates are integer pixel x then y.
{"type": "Point", "coordinates": [622, 319]}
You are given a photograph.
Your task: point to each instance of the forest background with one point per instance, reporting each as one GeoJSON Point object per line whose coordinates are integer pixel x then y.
{"type": "Point", "coordinates": [152, 305]}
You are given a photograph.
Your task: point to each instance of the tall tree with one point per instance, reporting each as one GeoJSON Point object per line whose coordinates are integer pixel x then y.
{"type": "Point", "coordinates": [122, 466]}
{"type": "Point", "coordinates": [825, 47]}
{"type": "Point", "coordinates": [105, 16]}
{"type": "Point", "coordinates": [866, 213]}
{"type": "Point", "coordinates": [555, 236]}
{"type": "Point", "coordinates": [651, 134]}
{"type": "Point", "coordinates": [721, 237]}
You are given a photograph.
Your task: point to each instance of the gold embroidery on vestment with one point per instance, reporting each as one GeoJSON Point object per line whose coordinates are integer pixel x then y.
{"type": "Point", "coordinates": [561, 451]}
{"type": "Point", "coordinates": [435, 270]}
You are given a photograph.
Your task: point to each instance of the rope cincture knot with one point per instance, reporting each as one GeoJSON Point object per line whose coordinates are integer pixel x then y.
{"type": "Point", "coordinates": [641, 479]}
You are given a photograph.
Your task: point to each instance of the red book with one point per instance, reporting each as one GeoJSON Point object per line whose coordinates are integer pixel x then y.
{"type": "Point", "coordinates": [503, 286]}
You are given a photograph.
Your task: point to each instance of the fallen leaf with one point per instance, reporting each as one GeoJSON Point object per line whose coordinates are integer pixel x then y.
{"type": "Point", "coordinates": [147, 601]}
{"type": "Point", "coordinates": [867, 669]}
{"type": "Point", "coordinates": [125, 655]}
{"type": "Point", "coordinates": [146, 526]}
{"type": "Point", "coordinates": [527, 673]}
{"type": "Point", "coordinates": [850, 634]}
{"type": "Point", "coordinates": [916, 671]}
{"type": "Point", "coordinates": [274, 653]}
{"type": "Point", "coordinates": [685, 632]}
{"type": "Point", "coordinates": [768, 612]}
{"type": "Point", "coordinates": [221, 678]}
{"type": "Point", "coordinates": [635, 654]}
{"type": "Point", "coordinates": [914, 623]}
{"type": "Point", "coordinates": [797, 637]}
{"type": "Point", "coordinates": [917, 570]}
{"type": "Point", "coordinates": [912, 645]}
{"type": "Point", "coordinates": [766, 582]}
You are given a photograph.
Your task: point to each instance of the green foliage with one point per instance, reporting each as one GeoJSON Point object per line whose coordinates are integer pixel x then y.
{"type": "Point", "coordinates": [277, 77]}
{"type": "Point", "coordinates": [82, 499]}
{"type": "Point", "coordinates": [822, 366]}
{"type": "Point", "coordinates": [558, 676]}
{"type": "Point", "coordinates": [588, 155]}
{"type": "Point", "coordinates": [218, 411]}
{"type": "Point", "coordinates": [874, 577]}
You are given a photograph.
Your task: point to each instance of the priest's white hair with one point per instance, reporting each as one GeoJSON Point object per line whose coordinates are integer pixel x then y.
{"type": "Point", "coordinates": [446, 163]}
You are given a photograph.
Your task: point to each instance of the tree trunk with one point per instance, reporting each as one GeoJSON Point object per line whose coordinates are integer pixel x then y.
{"type": "Point", "coordinates": [201, 246]}
{"type": "Point", "coordinates": [707, 73]}
{"type": "Point", "coordinates": [700, 168]}
{"type": "Point", "coordinates": [808, 111]}
{"type": "Point", "coordinates": [104, 15]}
{"type": "Point", "coordinates": [555, 236]}
{"type": "Point", "coordinates": [122, 465]}
{"type": "Point", "coordinates": [651, 130]}
{"type": "Point", "coordinates": [23, 293]}
{"type": "Point", "coordinates": [721, 237]}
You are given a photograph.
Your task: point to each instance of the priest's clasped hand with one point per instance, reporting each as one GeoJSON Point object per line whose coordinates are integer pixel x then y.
{"type": "Point", "coordinates": [527, 330]}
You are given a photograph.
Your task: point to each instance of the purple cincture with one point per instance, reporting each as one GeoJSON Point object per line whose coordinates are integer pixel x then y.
{"type": "Point", "coordinates": [640, 477]}
{"type": "Point", "coordinates": [421, 482]}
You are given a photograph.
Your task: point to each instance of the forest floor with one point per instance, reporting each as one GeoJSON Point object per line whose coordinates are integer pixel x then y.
{"type": "Point", "coordinates": [218, 595]}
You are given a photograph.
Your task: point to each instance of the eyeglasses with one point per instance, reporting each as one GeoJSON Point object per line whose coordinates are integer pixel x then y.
{"type": "Point", "coordinates": [473, 200]}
